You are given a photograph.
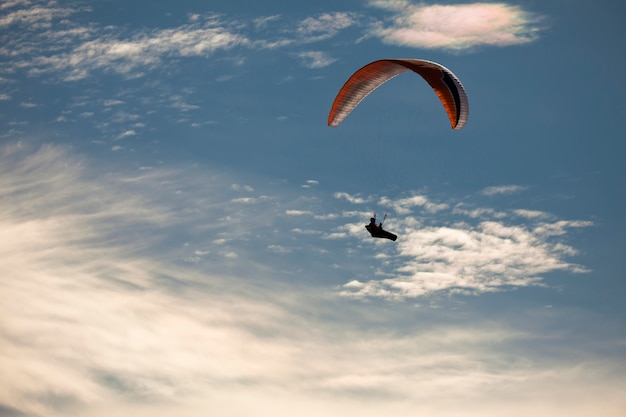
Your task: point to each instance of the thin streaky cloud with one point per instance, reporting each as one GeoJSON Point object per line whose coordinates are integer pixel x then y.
{"type": "Point", "coordinates": [531, 214]}
{"type": "Point", "coordinates": [502, 189]}
{"type": "Point", "coordinates": [126, 134]}
{"type": "Point", "coordinates": [112, 102]}
{"type": "Point", "coordinates": [298, 213]}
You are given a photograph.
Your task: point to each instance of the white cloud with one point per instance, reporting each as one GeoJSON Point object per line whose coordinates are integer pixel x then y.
{"type": "Point", "coordinates": [112, 102]}
{"type": "Point", "coordinates": [224, 78]}
{"type": "Point", "coordinates": [502, 189]}
{"type": "Point", "coordinates": [244, 200]}
{"type": "Point", "coordinates": [280, 249]}
{"type": "Point", "coordinates": [310, 183]}
{"type": "Point", "coordinates": [239, 187]}
{"type": "Point", "coordinates": [351, 198]}
{"type": "Point", "coordinates": [262, 22]}
{"type": "Point", "coordinates": [452, 253]}
{"type": "Point", "coordinates": [126, 134]}
{"type": "Point", "coordinates": [34, 17]}
{"type": "Point", "coordinates": [315, 59]}
{"type": "Point", "coordinates": [145, 49]}
{"type": "Point", "coordinates": [305, 231]}
{"type": "Point", "coordinates": [324, 26]}
{"type": "Point", "coordinates": [404, 205]}
{"type": "Point", "coordinates": [178, 102]}
{"type": "Point", "coordinates": [91, 292]}
{"type": "Point", "coordinates": [12, 3]}
{"type": "Point", "coordinates": [335, 235]}
{"type": "Point", "coordinates": [475, 213]}
{"type": "Point", "coordinates": [51, 43]}
{"type": "Point", "coordinates": [531, 214]}
{"type": "Point", "coordinates": [455, 26]}
{"type": "Point", "coordinates": [298, 212]}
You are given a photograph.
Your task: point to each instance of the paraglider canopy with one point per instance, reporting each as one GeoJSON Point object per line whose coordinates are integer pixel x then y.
{"type": "Point", "coordinates": [449, 89]}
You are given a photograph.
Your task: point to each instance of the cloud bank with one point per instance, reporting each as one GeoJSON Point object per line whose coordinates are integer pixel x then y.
{"type": "Point", "coordinates": [120, 296]}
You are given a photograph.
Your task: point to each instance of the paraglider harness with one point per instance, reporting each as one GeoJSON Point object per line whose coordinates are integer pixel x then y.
{"type": "Point", "coordinates": [377, 230]}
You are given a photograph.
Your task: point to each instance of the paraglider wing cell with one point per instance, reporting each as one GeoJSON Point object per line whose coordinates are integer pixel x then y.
{"type": "Point", "coordinates": [447, 86]}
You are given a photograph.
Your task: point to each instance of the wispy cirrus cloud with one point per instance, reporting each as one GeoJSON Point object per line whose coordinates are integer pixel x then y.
{"type": "Point", "coordinates": [143, 50]}
{"type": "Point", "coordinates": [80, 265]}
{"type": "Point", "coordinates": [76, 49]}
{"type": "Point", "coordinates": [49, 42]}
{"type": "Point", "coordinates": [122, 284]}
{"type": "Point", "coordinates": [38, 16]}
{"type": "Point", "coordinates": [52, 43]}
{"type": "Point", "coordinates": [455, 26]}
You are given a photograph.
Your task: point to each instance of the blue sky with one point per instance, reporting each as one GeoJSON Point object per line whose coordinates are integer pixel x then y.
{"type": "Point", "coordinates": [183, 233]}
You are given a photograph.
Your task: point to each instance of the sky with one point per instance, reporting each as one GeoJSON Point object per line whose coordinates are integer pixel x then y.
{"type": "Point", "coordinates": [182, 233]}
